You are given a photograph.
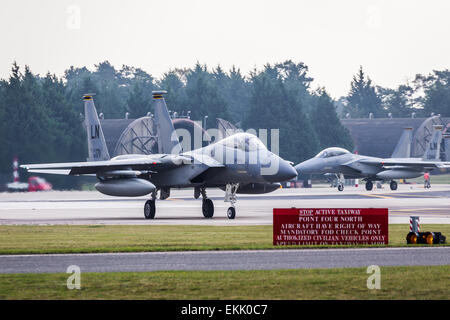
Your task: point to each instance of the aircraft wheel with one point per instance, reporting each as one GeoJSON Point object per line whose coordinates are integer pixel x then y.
{"type": "Point", "coordinates": [340, 187]}
{"type": "Point", "coordinates": [231, 213]}
{"type": "Point", "coordinates": [393, 185]}
{"type": "Point", "coordinates": [369, 185]}
{"type": "Point", "coordinates": [149, 209]}
{"type": "Point", "coordinates": [208, 208]}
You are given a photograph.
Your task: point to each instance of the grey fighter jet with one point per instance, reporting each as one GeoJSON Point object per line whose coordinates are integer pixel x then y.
{"type": "Point", "coordinates": [239, 163]}
{"type": "Point", "coordinates": [344, 164]}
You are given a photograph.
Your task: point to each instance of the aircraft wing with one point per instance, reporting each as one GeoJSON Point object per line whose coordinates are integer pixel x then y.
{"type": "Point", "coordinates": [405, 163]}
{"type": "Point", "coordinates": [121, 166]}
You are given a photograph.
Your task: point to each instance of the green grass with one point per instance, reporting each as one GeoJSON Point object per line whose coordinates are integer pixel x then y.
{"type": "Point", "coordinates": [349, 283]}
{"type": "Point", "coordinates": [99, 238]}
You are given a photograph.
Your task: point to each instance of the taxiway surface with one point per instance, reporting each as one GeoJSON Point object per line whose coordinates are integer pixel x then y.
{"type": "Point", "coordinates": [91, 207]}
{"type": "Point", "coordinates": [226, 260]}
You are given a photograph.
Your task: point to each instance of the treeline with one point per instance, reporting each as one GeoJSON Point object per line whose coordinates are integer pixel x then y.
{"type": "Point", "coordinates": [41, 116]}
{"type": "Point", "coordinates": [424, 96]}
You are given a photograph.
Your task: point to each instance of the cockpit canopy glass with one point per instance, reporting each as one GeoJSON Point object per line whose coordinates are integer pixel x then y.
{"type": "Point", "coordinates": [331, 152]}
{"type": "Point", "coordinates": [243, 141]}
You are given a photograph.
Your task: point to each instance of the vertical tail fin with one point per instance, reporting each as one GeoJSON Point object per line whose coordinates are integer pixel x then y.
{"type": "Point", "coordinates": [403, 147]}
{"type": "Point", "coordinates": [447, 146]}
{"type": "Point", "coordinates": [167, 137]}
{"type": "Point", "coordinates": [432, 151]}
{"type": "Point", "coordinates": [96, 140]}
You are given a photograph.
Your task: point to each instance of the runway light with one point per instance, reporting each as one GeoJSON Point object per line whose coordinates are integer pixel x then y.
{"type": "Point", "coordinates": [425, 238]}
{"type": "Point", "coordinates": [411, 238]}
{"type": "Point", "coordinates": [430, 238]}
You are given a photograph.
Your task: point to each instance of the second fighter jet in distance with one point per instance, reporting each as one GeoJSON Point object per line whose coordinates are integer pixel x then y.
{"type": "Point", "coordinates": [345, 164]}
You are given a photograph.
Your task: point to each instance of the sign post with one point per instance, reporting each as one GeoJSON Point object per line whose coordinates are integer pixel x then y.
{"type": "Point", "coordinates": [330, 226]}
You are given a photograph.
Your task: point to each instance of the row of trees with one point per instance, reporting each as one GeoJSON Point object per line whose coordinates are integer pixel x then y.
{"type": "Point", "coordinates": [425, 95]}
{"type": "Point", "coordinates": [41, 116]}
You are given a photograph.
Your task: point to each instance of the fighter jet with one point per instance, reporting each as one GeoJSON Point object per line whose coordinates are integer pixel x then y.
{"type": "Point", "coordinates": [239, 163]}
{"type": "Point", "coordinates": [344, 164]}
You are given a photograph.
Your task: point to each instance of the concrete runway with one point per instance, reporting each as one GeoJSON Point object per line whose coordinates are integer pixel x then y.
{"type": "Point", "coordinates": [91, 207]}
{"type": "Point", "coordinates": [226, 260]}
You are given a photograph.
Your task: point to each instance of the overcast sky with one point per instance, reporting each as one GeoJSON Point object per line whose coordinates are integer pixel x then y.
{"type": "Point", "coordinates": [393, 40]}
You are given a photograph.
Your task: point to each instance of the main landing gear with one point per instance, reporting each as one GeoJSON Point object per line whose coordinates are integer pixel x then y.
{"type": "Point", "coordinates": [393, 185]}
{"type": "Point", "coordinates": [369, 185]}
{"type": "Point", "coordinates": [149, 207]}
{"type": "Point", "coordinates": [207, 204]}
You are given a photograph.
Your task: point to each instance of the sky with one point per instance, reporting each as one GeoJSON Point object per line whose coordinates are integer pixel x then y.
{"type": "Point", "coordinates": [392, 40]}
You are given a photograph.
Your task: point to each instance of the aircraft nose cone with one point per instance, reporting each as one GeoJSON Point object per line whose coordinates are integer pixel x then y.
{"type": "Point", "coordinates": [304, 167]}
{"type": "Point", "coordinates": [285, 172]}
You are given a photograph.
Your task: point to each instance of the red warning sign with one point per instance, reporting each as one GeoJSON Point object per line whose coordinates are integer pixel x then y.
{"type": "Point", "coordinates": [330, 226]}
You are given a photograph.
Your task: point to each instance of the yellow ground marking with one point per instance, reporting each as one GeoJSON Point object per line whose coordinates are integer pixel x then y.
{"type": "Point", "coordinates": [399, 196]}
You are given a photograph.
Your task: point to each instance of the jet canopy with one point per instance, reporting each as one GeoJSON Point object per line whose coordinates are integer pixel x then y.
{"type": "Point", "coordinates": [243, 141]}
{"type": "Point", "coordinates": [331, 152]}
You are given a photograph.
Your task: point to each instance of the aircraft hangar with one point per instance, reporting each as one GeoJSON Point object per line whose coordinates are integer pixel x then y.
{"type": "Point", "coordinates": [139, 136]}
{"type": "Point", "coordinates": [372, 136]}
{"type": "Point", "coordinates": [378, 137]}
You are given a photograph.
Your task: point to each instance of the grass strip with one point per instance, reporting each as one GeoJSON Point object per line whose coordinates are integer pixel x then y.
{"type": "Point", "coordinates": [104, 238]}
{"type": "Point", "coordinates": [343, 283]}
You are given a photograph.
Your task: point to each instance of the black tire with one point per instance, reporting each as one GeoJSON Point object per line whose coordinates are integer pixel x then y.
{"type": "Point", "coordinates": [149, 209]}
{"type": "Point", "coordinates": [340, 187]}
{"type": "Point", "coordinates": [393, 185]}
{"type": "Point", "coordinates": [369, 185]}
{"type": "Point", "coordinates": [231, 213]}
{"type": "Point", "coordinates": [208, 208]}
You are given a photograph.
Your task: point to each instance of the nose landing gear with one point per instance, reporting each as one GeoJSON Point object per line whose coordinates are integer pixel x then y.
{"type": "Point", "coordinates": [341, 181]}
{"type": "Point", "coordinates": [230, 196]}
